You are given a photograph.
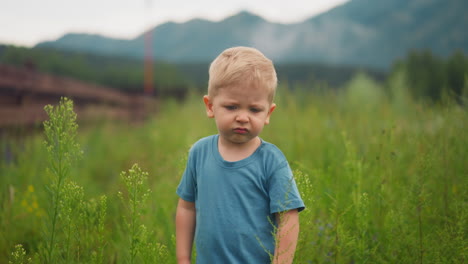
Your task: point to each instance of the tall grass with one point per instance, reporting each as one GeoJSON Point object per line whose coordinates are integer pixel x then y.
{"type": "Point", "coordinates": [383, 179]}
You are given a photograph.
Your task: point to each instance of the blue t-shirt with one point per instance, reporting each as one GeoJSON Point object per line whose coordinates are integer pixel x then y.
{"type": "Point", "coordinates": [234, 200]}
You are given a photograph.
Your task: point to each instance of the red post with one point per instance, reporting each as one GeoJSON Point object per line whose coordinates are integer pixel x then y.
{"type": "Point", "coordinates": [148, 58]}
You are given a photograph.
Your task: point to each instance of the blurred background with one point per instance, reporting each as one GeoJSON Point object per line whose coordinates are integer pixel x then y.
{"type": "Point", "coordinates": [371, 115]}
{"type": "Point", "coordinates": [108, 54]}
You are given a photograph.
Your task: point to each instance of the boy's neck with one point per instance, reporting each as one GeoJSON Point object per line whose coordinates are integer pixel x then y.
{"type": "Point", "coordinates": [235, 152]}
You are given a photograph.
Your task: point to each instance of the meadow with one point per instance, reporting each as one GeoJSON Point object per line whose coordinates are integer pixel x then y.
{"type": "Point", "coordinates": [383, 177]}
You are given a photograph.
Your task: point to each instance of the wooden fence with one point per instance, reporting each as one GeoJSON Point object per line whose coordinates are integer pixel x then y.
{"type": "Point", "coordinates": [25, 92]}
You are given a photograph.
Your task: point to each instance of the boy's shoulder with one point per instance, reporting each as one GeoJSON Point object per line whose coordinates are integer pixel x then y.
{"type": "Point", "coordinates": [270, 146]}
{"type": "Point", "coordinates": [203, 143]}
{"type": "Point", "coordinates": [270, 150]}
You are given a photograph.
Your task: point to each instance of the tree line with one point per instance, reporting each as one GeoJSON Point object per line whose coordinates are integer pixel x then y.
{"type": "Point", "coordinates": [121, 73]}
{"type": "Point", "coordinates": [431, 78]}
{"type": "Point", "coordinates": [428, 77]}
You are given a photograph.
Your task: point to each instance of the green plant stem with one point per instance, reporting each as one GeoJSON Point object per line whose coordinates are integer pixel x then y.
{"type": "Point", "coordinates": [56, 210]}
{"type": "Point", "coordinates": [421, 249]}
{"type": "Point", "coordinates": [134, 219]}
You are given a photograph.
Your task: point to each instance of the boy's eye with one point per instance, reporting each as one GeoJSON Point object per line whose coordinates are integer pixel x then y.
{"type": "Point", "coordinates": [230, 107]}
{"type": "Point", "coordinates": [255, 110]}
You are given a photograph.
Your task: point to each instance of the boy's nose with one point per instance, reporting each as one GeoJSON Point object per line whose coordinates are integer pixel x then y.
{"type": "Point", "coordinates": [242, 118]}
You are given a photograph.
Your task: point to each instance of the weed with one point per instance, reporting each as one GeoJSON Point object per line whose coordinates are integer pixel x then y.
{"type": "Point", "coordinates": [62, 149]}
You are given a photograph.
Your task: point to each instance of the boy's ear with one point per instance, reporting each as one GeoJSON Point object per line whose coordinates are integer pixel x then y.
{"type": "Point", "coordinates": [272, 107]}
{"type": "Point", "coordinates": [208, 106]}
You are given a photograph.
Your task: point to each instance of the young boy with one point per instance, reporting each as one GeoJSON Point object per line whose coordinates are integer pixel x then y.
{"type": "Point", "coordinates": [237, 189]}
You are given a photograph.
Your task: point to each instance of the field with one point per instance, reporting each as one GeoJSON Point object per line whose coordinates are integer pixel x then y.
{"type": "Point", "coordinates": [384, 179]}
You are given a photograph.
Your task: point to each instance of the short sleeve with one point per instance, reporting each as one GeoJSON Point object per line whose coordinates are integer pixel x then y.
{"type": "Point", "coordinates": [283, 192]}
{"type": "Point", "coordinates": [187, 186]}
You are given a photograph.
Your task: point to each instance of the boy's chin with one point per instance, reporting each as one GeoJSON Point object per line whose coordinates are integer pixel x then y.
{"type": "Point", "coordinates": [239, 139]}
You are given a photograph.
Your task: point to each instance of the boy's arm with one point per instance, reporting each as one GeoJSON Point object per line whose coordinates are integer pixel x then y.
{"type": "Point", "coordinates": [286, 236]}
{"type": "Point", "coordinates": [185, 229]}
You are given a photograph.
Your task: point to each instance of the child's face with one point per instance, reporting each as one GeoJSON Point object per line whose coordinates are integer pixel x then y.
{"type": "Point", "coordinates": [240, 112]}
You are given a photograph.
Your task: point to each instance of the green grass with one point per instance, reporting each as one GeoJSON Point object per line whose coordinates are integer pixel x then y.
{"type": "Point", "coordinates": [384, 180]}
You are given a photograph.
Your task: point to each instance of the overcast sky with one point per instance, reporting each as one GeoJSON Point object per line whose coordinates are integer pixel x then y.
{"type": "Point", "coordinates": [27, 22]}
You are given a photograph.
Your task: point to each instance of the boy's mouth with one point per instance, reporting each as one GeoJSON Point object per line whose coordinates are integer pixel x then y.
{"type": "Point", "coordinates": [239, 130]}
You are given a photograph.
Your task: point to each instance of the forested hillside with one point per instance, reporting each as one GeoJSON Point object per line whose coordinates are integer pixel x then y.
{"type": "Point", "coordinates": [121, 73]}
{"type": "Point", "coordinates": [127, 74]}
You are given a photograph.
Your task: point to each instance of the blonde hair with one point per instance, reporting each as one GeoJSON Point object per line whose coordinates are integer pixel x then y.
{"type": "Point", "coordinates": [239, 66]}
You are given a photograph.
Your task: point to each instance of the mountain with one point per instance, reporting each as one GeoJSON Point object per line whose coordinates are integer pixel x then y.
{"type": "Point", "coordinates": [377, 32]}
{"type": "Point", "coordinates": [359, 32]}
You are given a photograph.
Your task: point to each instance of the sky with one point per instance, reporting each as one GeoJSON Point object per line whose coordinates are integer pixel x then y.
{"type": "Point", "coordinates": [26, 22]}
